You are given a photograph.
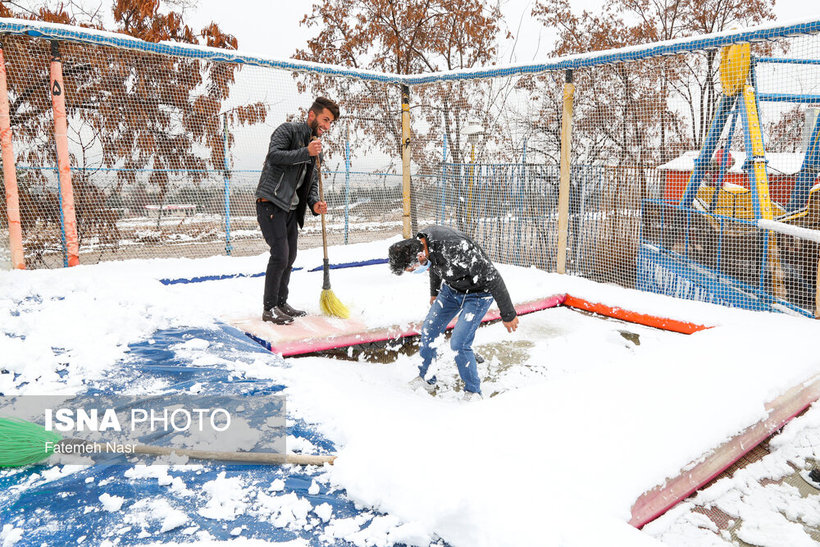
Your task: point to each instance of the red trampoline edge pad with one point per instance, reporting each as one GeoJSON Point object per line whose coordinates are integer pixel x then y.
{"type": "Point", "coordinates": [300, 347]}
{"type": "Point", "coordinates": [662, 323]}
{"type": "Point", "coordinates": [659, 500]}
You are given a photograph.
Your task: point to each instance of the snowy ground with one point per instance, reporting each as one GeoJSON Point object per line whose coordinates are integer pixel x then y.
{"type": "Point", "coordinates": [584, 416]}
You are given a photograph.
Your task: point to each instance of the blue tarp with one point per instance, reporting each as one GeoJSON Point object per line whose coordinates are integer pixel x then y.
{"type": "Point", "coordinates": [69, 509]}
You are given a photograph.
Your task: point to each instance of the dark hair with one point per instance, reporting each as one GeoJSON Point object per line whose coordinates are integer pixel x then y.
{"type": "Point", "coordinates": [403, 254]}
{"type": "Point", "coordinates": [323, 102]}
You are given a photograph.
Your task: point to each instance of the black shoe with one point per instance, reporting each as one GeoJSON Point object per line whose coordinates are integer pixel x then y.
{"type": "Point", "coordinates": [276, 317]}
{"type": "Point", "coordinates": [815, 477]}
{"type": "Point", "coordinates": [288, 310]}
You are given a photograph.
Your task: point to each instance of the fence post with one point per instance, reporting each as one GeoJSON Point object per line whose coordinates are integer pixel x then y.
{"type": "Point", "coordinates": [563, 189]}
{"type": "Point", "coordinates": [407, 230]}
{"type": "Point", "coordinates": [18, 260]}
{"type": "Point", "coordinates": [63, 160]}
{"type": "Point", "coordinates": [227, 178]}
{"type": "Point", "coordinates": [520, 181]}
{"type": "Point", "coordinates": [347, 182]}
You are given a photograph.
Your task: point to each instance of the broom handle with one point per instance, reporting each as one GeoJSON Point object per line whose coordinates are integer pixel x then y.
{"type": "Point", "coordinates": [322, 198]}
{"type": "Point", "coordinates": [325, 262]}
{"type": "Point", "coordinates": [247, 457]}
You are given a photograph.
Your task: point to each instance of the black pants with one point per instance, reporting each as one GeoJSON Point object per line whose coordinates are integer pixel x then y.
{"type": "Point", "coordinates": [281, 232]}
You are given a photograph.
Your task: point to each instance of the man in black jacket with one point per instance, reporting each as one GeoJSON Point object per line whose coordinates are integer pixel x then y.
{"type": "Point", "coordinates": [462, 279]}
{"type": "Point", "coordinates": [287, 186]}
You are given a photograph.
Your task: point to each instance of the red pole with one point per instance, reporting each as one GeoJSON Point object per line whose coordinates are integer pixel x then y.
{"type": "Point", "coordinates": [18, 260]}
{"type": "Point", "coordinates": [63, 161]}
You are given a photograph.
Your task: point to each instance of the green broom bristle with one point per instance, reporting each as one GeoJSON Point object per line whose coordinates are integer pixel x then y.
{"type": "Point", "coordinates": [23, 443]}
{"type": "Point", "coordinates": [331, 305]}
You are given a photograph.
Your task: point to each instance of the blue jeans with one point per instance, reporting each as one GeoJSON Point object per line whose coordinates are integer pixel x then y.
{"type": "Point", "coordinates": [450, 302]}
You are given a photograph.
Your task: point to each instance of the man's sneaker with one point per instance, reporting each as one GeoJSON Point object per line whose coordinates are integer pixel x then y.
{"type": "Point", "coordinates": [471, 396]}
{"type": "Point", "coordinates": [293, 312]}
{"type": "Point", "coordinates": [812, 477]}
{"type": "Point", "coordinates": [420, 383]}
{"type": "Point", "coordinates": [277, 317]}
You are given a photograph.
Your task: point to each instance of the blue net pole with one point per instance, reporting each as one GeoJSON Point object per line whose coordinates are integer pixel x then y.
{"type": "Point", "coordinates": [440, 214]}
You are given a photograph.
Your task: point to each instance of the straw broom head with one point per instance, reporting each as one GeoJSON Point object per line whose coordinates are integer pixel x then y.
{"type": "Point", "coordinates": [330, 305]}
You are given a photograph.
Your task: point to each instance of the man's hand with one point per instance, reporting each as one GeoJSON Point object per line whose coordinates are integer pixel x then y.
{"type": "Point", "coordinates": [433, 299]}
{"type": "Point", "coordinates": [511, 325]}
{"type": "Point", "coordinates": [315, 147]}
{"type": "Point", "coordinates": [320, 207]}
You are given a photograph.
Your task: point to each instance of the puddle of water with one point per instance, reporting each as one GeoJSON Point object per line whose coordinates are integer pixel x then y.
{"type": "Point", "coordinates": [503, 355]}
{"type": "Point", "coordinates": [633, 337]}
{"type": "Point", "coordinates": [384, 352]}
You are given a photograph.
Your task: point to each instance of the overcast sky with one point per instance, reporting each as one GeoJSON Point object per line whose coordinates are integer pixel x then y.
{"type": "Point", "coordinates": [272, 28]}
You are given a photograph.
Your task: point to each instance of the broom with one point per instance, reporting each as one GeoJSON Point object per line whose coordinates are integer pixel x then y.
{"type": "Point", "coordinates": [23, 443]}
{"type": "Point", "coordinates": [328, 302]}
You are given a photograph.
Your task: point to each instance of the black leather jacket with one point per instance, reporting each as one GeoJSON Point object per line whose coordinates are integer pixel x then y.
{"type": "Point", "coordinates": [285, 162]}
{"type": "Point", "coordinates": [460, 262]}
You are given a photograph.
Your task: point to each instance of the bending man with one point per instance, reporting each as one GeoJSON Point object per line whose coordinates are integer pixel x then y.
{"type": "Point", "coordinates": [462, 279]}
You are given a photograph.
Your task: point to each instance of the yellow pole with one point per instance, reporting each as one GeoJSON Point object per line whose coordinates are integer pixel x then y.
{"type": "Point", "coordinates": [761, 178]}
{"type": "Point", "coordinates": [761, 182]}
{"type": "Point", "coordinates": [18, 260]}
{"type": "Point", "coordinates": [563, 191]}
{"type": "Point", "coordinates": [817, 292]}
{"type": "Point", "coordinates": [405, 160]}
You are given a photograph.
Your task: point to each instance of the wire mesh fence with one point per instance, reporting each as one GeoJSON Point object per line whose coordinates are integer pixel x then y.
{"type": "Point", "coordinates": [687, 139]}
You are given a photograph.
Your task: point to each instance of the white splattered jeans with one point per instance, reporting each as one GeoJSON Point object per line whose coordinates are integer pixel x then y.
{"type": "Point", "coordinates": [473, 307]}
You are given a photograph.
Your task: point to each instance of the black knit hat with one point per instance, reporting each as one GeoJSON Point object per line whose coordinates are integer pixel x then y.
{"type": "Point", "coordinates": [403, 254]}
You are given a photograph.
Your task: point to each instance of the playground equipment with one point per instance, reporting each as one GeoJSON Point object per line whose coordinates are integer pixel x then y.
{"type": "Point", "coordinates": [711, 245]}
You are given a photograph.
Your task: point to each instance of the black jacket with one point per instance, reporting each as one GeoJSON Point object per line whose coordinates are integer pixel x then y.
{"type": "Point", "coordinates": [287, 158]}
{"type": "Point", "coordinates": [464, 266]}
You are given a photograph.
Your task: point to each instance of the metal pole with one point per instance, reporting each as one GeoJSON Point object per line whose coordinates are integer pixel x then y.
{"type": "Point", "coordinates": [63, 160]}
{"type": "Point", "coordinates": [519, 203]}
{"type": "Point", "coordinates": [18, 260]}
{"type": "Point", "coordinates": [227, 179]}
{"type": "Point", "coordinates": [563, 189]}
{"type": "Point", "coordinates": [347, 183]}
{"type": "Point", "coordinates": [440, 218]}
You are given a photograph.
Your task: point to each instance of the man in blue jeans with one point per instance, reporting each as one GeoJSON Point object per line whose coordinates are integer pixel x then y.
{"type": "Point", "coordinates": [464, 282]}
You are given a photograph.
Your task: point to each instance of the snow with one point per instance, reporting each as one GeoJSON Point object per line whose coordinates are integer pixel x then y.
{"type": "Point", "coordinates": [568, 436]}
{"type": "Point", "coordinates": [788, 229]}
{"type": "Point", "coordinates": [111, 503]}
{"type": "Point", "coordinates": [777, 163]}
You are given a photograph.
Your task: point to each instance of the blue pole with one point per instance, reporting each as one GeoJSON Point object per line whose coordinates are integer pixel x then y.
{"type": "Point", "coordinates": [227, 179]}
{"type": "Point", "coordinates": [710, 143]}
{"type": "Point", "coordinates": [519, 201]}
{"type": "Point", "coordinates": [806, 98]}
{"type": "Point", "coordinates": [808, 170]}
{"type": "Point", "coordinates": [347, 183]}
